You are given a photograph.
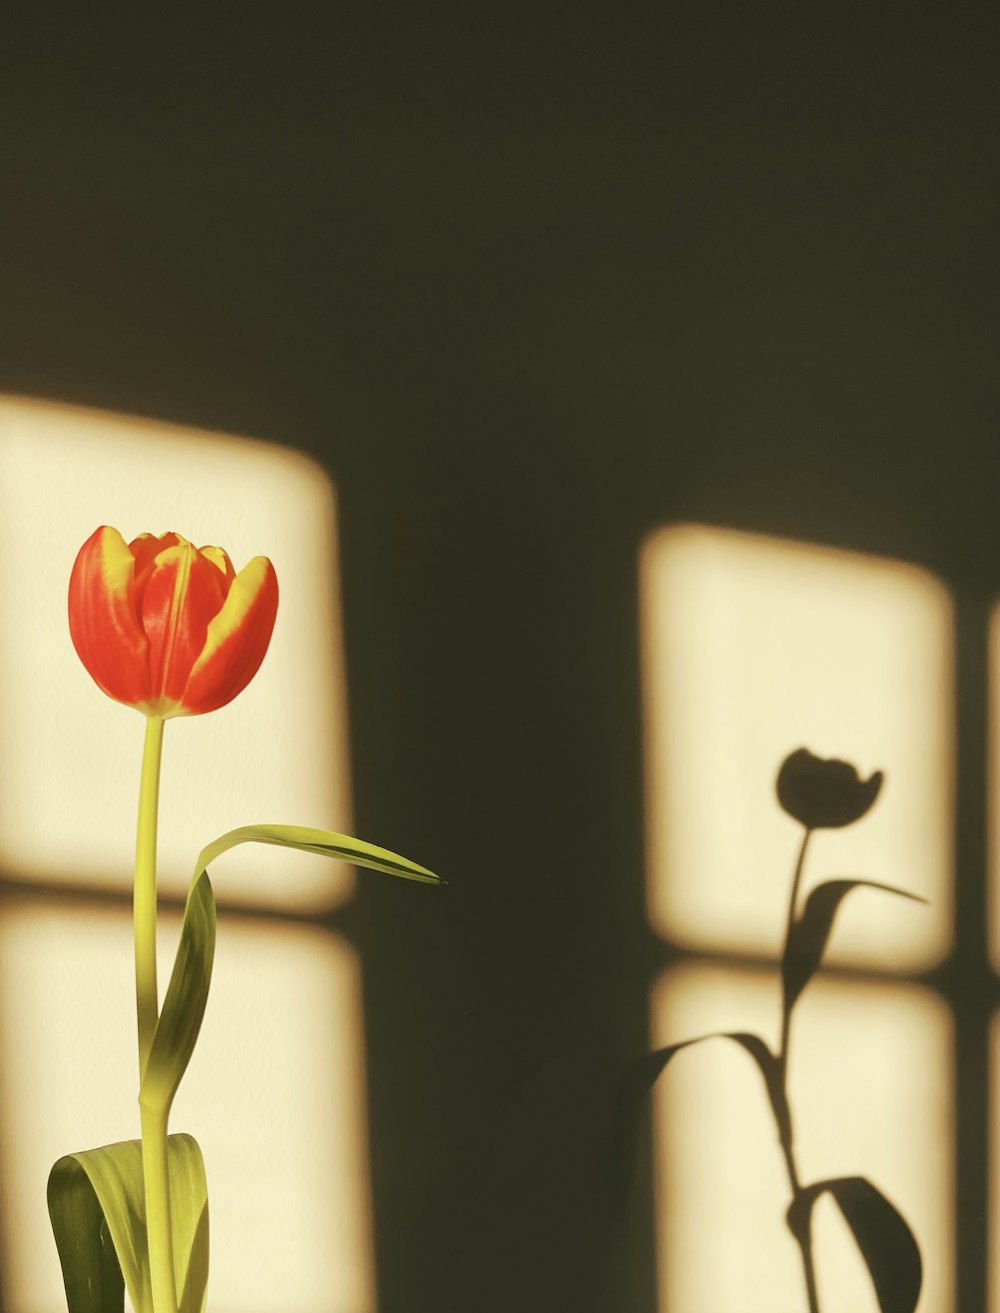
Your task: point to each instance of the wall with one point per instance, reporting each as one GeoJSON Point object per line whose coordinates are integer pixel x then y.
{"type": "Point", "coordinates": [529, 282]}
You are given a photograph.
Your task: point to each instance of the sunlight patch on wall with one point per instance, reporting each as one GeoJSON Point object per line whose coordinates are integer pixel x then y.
{"type": "Point", "coordinates": [274, 1096]}
{"type": "Point", "coordinates": [752, 647]}
{"type": "Point", "coordinates": [993, 1149]}
{"type": "Point", "coordinates": [870, 1095]}
{"type": "Point", "coordinates": [69, 765]}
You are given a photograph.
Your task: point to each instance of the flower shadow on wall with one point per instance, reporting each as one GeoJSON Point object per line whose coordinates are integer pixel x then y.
{"type": "Point", "coordinates": [819, 794]}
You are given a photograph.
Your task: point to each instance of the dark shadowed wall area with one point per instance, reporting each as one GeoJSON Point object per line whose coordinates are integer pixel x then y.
{"type": "Point", "coordinates": [531, 281]}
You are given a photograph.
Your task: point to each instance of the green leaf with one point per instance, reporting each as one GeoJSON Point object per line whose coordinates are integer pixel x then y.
{"type": "Point", "coordinates": [98, 1212]}
{"type": "Point", "coordinates": [185, 1001]}
{"type": "Point", "coordinates": [92, 1273]}
{"type": "Point", "coordinates": [643, 1073]}
{"type": "Point", "coordinates": [886, 1242]}
{"type": "Point", "coordinates": [810, 933]}
{"type": "Point", "coordinates": [323, 842]}
{"type": "Point", "coordinates": [187, 994]}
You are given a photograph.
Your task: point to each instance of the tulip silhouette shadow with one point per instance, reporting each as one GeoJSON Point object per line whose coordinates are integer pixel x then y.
{"type": "Point", "coordinates": [819, 794]}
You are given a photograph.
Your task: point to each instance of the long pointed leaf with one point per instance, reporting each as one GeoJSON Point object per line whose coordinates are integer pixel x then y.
{"type": "Point", "coordinates": [324, 842]}
{"type": "Point", "coordinates": [98, 1211]}
{"type": "Point", "coordinates": [810, 933]}
{"type": "Point", "coordinates": [185, 1001]}
{"type": "Point", "coordinates": [187, 994]}
{"type": "Point", "coordinates": [884, 1238]}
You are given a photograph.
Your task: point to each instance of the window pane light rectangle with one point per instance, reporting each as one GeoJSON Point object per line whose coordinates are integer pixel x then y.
{"type": "Point", "coordinates": [752, 647]}
{"type": "Point", "coordinates": [69, 762]}
{"type": "Point", "coordinates": [274, 1096]}
{"type": "Point", "coordinates": [871, 1094]}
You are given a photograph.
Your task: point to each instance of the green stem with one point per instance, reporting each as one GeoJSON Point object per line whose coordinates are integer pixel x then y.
{"type": "Point", "coordinates": [159, 1235]}
{"type": "Point", "coordinates": [156, 1181]}
{"type": "Point", "coordinates": [802, 1229]}
{"type": "Point", "coordinates": [144, 891]}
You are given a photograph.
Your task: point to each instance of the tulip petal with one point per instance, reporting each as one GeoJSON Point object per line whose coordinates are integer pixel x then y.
{"type": "Point", "coordinates": [147, 547]}
{"type": "Point", "coordinates": [220, 558]}
{"type": "Point", "coordinates": [237, 639]}
{"type": "Point", "coordinates": [103, 620]}
{"type": "Point", "coordinates": [184, 593]}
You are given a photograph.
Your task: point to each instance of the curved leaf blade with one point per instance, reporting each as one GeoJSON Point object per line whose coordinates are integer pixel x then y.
{"type": "Point", "coordinates": [648, 1068]}
{"type": "Point", "coordinates": [98, 1212]}
{"type": "Point", "coordinates": [92, 1274]}
{"type": "Point", "coordinates": [884, 1238]}
{"type": "Point", "coordinates": [187, 994]}
{"type": "Point", "coordinates": [642, 1075]}
{"type": "Point", "coordinates": [324, 842]}
{"type": "Point", "coordinates": [811, 931]}
{"type": "Point", "coordinates": [185, 1001]}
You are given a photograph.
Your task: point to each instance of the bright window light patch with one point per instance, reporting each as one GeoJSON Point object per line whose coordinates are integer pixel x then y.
{"type": "Point", "coordinates": [753, 647]}
{"type": "Point", "coordinates": [993, 1302]}
{"type": "Point", "coordinates": [871, 1095]}
{"type": "Point", "coordinates": [70, 757]}
{"type": "Point", "coordinates": [274, 1096]}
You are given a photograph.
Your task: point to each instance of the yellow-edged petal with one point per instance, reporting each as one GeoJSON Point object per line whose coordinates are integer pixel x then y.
{"type": "Point", "coordinates": [103, 620]}
{"type": "Point", "coordinates": [185, 591]}
{"type": "Point", "coordinates": [236, 640]}
{"type": "Point", "coordinates": [220, 558]}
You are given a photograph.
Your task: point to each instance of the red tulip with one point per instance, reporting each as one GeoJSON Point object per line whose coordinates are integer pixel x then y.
{"type": "Point", "coordinates": [166, 627]}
